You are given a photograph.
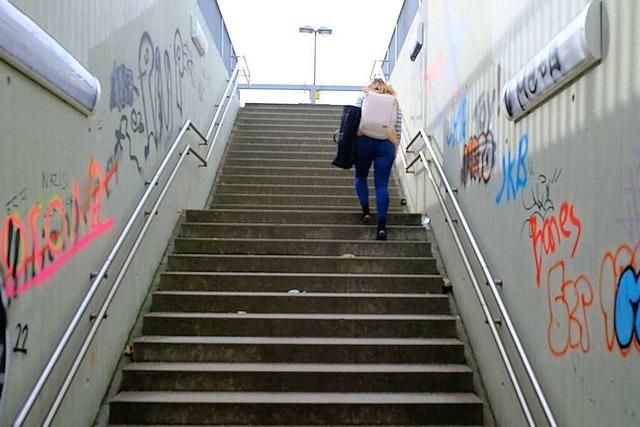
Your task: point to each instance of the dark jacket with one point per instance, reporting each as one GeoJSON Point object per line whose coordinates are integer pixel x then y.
{"type": "Point", "coordinates": [347, 138]}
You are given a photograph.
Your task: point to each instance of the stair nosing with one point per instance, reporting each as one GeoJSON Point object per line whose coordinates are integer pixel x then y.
{"type": "Point", "coordinates": [355, 295]}
{"type": "Point", "coordinates": [299, 257]}
{"type": "Point", "coordinates": [292, 274]}
{"type": "Point", "coordinates": [267, 224]}
{"type": "Point", "coordinates": [358, 211]}
{"type": "Point", "coordinates": [299, 316]}
{"type": "Point", "coordinates": [288, 398]}
{"type": "Point", "coordinates": [298, 367]}
{"type": "Point", "coordinates": [277, 340]}
{"type": "Point", "coordinates": [330, 241]}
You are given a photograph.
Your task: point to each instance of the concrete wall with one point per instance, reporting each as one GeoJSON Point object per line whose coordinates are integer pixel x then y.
{"type": "Point", "coordinates": [553, 199]}
{"type": "Point", "coordinates": [69, 183]}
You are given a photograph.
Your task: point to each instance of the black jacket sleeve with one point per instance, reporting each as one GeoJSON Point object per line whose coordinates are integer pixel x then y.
{"type": "Point", "coordinates": [347, 137]}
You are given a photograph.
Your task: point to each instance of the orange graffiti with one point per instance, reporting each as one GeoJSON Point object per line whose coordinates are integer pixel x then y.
{"type": "Point", "coordinates": [568, 302]}
{"type": "Point", "coordinates": [546, 239]}
{"type": "Point", "coordinates": [611, 267]}
{"type": "Point", "coordinates": [32, 254]}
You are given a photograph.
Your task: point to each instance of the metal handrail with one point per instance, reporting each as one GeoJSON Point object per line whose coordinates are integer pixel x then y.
{"type": "Point", "coordinates": [233, 83]}
{"type": "Point", "coordinates": [246, 70]}
{"type": "Point", "coordinates": [490, 281]}
{"type": "Point", "coordinates": [373, 67]}
{"type": "Point", "coordinates": [102, 273]}
{"type": "Point", "coordinates": [225, 96]}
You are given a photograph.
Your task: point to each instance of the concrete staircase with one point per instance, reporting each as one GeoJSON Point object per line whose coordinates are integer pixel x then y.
{"type": "Point", "coordinates": [279, 309]}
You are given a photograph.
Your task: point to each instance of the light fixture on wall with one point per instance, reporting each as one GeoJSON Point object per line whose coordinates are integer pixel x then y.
{"type": "Point", "coordinates": [27, 47]}
{"type": "Point", "coordinates": [572, 52]}
{"type": "Point", "coordinates": [419, 41]}
{"type": "Point", "coordinates": [198, 37]}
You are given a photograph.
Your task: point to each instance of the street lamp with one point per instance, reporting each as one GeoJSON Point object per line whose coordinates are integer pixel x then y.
{"type": "Point", "coordinates": [310, 30]}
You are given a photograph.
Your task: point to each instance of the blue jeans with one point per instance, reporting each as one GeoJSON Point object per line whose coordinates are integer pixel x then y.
{"type": "Point", "coordinates": [382, 154]}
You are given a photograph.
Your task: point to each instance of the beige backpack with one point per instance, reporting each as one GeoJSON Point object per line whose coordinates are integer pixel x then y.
{"type": "Point", "coordinates": [378, 115]}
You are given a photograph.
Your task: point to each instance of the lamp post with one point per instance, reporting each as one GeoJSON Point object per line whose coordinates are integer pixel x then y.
{"type": "Point", "coordinates": [310, 30]}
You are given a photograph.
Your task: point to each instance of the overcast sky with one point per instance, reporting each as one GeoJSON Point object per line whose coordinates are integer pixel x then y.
{"type": "Point", "coordinates": [266, 32]}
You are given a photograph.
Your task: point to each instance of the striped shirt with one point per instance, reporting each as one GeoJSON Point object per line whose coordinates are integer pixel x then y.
{"type": "Point", "coordinates": [359, 102]}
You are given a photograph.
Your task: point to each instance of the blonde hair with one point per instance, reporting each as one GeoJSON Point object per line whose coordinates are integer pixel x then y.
{"type": "Point", "coordinates": [380, 86]}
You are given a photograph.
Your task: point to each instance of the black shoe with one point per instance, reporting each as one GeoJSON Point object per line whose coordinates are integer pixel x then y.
{"type": "Point", "coordinates": [364, 219]}
{"type": "Point", "coordinates": [366, 214]}
{"type": "Point", "coordinates": [382, 229]}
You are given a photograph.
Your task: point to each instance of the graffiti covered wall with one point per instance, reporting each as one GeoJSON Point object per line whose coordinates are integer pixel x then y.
{"type": "Point", "coordinates": [552, 199]}
{"type": "Point", "coordinates": [69, 182]}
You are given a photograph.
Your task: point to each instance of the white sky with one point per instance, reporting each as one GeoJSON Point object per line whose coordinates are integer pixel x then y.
{"type": "Point", "coordinates": [266, 32]}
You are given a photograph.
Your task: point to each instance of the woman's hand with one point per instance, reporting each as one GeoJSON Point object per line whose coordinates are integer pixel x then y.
{"type": "Point", "coordinates": [393, 137]}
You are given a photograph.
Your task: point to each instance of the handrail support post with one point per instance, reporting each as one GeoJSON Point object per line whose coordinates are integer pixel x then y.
{"type": "Point", "coordinates": [94, 274]}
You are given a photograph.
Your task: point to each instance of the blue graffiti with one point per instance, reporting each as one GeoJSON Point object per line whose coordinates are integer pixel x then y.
{"type": "Point", "coordinates": [458, 124]}
{"type": "Point", "coordinates": [627, 321]}
{"type": "Point", "coordinates": [514, 176]}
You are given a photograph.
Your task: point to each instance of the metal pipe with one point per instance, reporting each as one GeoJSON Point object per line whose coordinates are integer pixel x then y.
{"type": "Point", "coordinates": [247, 71]}
{"type": "Point", "coordinates": [193, 151]}
{"type": "Point", "coordinates": [503, 311]}
{"type": "Point", "coordinates": [413, 162]}
{"type": "Point", "coordinates": [224, 97]}
{"type": "Point", "coordinates": [415, 138]}
{"type": "Point", "coordinates": [197, 131]}
{"type": "Point", "coordinates": [483, 303]}
{"type": "Point", "coordinates": [114, 288]}
{"type": "Point", "coordinates": [315, 58]}
{"type": "Point", "coordinates": [224, 114]}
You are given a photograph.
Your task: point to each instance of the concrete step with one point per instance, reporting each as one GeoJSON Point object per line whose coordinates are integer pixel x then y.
{"type": "Point", "coordinates": [293, 217]}
{"type": "Point", "coordinates": [283, 148]}
{"type": "Point", "coordinates": [292, 110]}
{"type": "Point", "coordinates": [300, 325]}
{"type": "Point", "coordinates": [315, 108]}
{"type": "Point", "coordinates": [302, 264]}
{"type": "Point", "coordinates": [256, 154]}
{"type": "Point", "coordinates": [298, 180]}
{"type": "Point", "coordinates": [327, 134]}
{"type": "Point", "coordinates": [244, 114]}
{"type": "Point", "coordinates": [307, 208]}
{"type": "Point", "coordinates": [288, 127]}
{"type": "Point", "coordinates": [300, 231]}
{"type": "Point", "coordinates": [322, 140]}
{"type": "Point", "coordinates": [262, 425]}
{"type": "Point", "coordinates": [307, 377]}
{"type": "Point", "coordinates": [295, 408]}
{"type": "Point", "coordinates": [282, 163]}
{"type": "Point", "coordinates": [300, 282]}
{"type": "Point", "coordinates": [296, 200]}
{"type": "Point", "coordinates": [297, 350]}
{"type": "Point", "coordinates": [309, 120]}
{"type": "Point", "coordinates": [344, 248]}
{"type": "Point", "coordinates": [294, 189]}
{"type": "Point", "coordinates": [284, 302]}
{"type": "Point", "coordinates": [290, 171]}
